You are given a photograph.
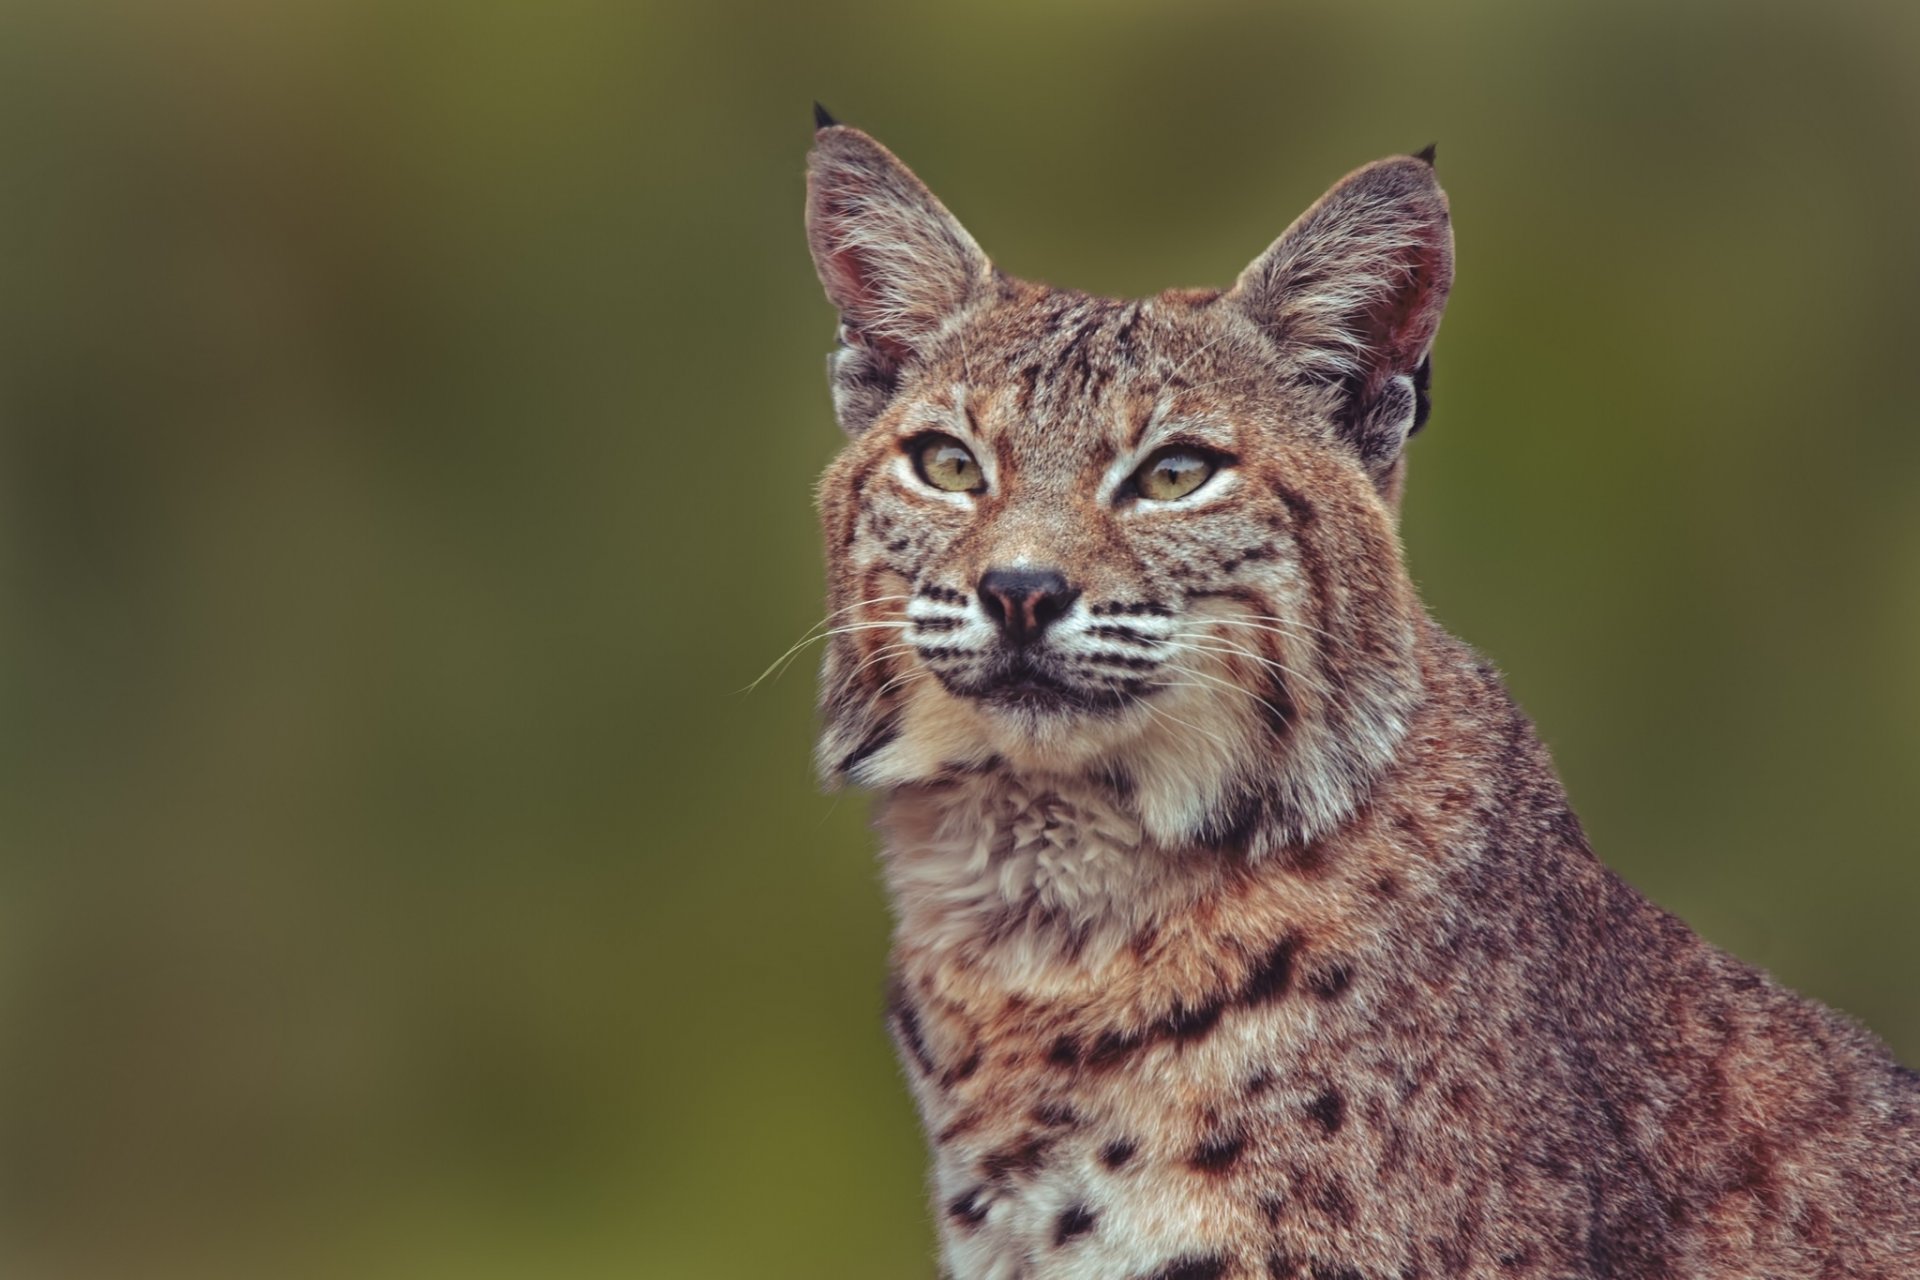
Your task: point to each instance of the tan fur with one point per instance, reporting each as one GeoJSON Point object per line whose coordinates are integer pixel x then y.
{"type": "Point", "coordinates": [1244, 930]}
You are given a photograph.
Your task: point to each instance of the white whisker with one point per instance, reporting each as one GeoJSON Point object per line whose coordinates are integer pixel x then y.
{"type": "Point", "coordinates": [1226, 648]}
{"type": "Point", "coordinates": [1163, 713]}
{"type": "Point", "coordinates": [1228, 685]}
{"type": "Point", "coordinates": [812, 639]}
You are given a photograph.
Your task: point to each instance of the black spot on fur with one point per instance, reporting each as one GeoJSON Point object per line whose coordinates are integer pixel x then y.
{"type": "Point", "coordinates": [1333, 1199]}
{"type": "Point", "coordinates": [1330, 982]}
{"type": "Point", "coordinates": [1054, 1115]}
{"type": "Point", "coordinates": [1274, 975]}
{"type": "Point", "coordinates": [1192, 1267]}
{"type": "Point", "coordinates": [1065, 1052]}
{"type": "Point", "coordinates": [1329, 1271]}
{"type": "Point", "coordinates": [1183, 1025]}
{"type": "Point", "coordinates": [1232, 824]}
{"type": "Point", "coordinates": [962, 1069]}
{"type": "Point", "coordinates": [1329, 1111]}
{"type": "Point", "coordinates": [1270, 1208]}
{"type": "Point", "coordinates": [1118, 1152]}
{"type": "Point", "coordinates": [1075, 1222]}
{"type": "Point", "coordinates": [967, 1210]}
{"type": "Point", "coordinates": [1022, 1158]}
{"type": "Point", "coordinates": [1305, 859]}
{"type": "Point", "coordinates": [964, 1124]}
{"type": "Point", "coordinates": [906, 1020]}
{"type": "Point", "coordinates": [1113, 1047]}
{"type": "Point", "coordinates": [1218, 1153]}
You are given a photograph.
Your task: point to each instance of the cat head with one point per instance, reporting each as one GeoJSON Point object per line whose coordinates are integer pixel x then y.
{"type": "Point", "coordinates": [1148, 541]}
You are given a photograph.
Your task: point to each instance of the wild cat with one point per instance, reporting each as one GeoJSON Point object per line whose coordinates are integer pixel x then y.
{"type": "Point", "coordinates": [1243, 927]}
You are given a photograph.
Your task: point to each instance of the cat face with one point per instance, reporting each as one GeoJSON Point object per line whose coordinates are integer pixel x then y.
{"type": "Point", "coordinates": [1151, 541]}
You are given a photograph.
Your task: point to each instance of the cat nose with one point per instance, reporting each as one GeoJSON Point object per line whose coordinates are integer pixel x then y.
{"type": "Point", "coordinates": [1023, 602]}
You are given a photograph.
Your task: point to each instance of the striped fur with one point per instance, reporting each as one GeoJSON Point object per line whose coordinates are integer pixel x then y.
{"type": "Point", "coordinates": [1244, 930]}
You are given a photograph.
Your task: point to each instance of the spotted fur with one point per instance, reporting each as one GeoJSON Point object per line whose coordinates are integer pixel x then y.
{"type": "Point", "coordinates": [1244, 930]}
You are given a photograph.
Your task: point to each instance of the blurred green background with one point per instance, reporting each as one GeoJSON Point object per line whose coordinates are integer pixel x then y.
{"type": "Point", "coordinates": [408, 417]}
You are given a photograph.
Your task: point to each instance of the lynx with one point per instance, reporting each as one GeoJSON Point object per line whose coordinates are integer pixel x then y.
{"type": "Point", "coordinates": [1243, 927]}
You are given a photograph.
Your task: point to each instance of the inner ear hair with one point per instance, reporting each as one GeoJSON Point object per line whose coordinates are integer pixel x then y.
{"type": "Point", "coordinates": [894, 262]}
{"type": "Point", "coordinates": [1352, 293]}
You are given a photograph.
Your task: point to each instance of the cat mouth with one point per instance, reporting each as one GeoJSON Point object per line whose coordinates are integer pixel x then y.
{"type": "Point", "coordinates": [1020, 684]}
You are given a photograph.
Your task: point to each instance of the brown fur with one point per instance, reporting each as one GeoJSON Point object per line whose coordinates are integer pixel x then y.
{"type": "Point", "coordinates": [1260, 940]}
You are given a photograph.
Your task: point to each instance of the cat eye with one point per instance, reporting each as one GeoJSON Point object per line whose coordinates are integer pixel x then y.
{"type": "Point", "coordinates": [1173, 472]}
{"type": "Point", "coordinates": [945, 463]}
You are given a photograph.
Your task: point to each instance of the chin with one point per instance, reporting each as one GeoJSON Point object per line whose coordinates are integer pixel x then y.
{"type": "Point", "coordinates": [1058, 728]}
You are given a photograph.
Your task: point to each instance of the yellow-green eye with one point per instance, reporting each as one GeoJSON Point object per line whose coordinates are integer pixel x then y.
{"type": "Point", "coordinates": [1173, 473]}
{"type": "Point", "coordinates": [945, 463]}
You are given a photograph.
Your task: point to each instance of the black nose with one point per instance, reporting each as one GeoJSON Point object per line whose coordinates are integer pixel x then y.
{"type": "Point", "coordinates": [1023, 602]}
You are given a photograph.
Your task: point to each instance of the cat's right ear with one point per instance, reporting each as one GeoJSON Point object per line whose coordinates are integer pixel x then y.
{"type": "Point", "coordinates": [894, 262]}
{"type": "Point", "coordinates": [1352, 293]}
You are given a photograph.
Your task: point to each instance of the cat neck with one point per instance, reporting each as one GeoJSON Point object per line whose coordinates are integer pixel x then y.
{"type": "Point", "coordinates": [1043, 878]}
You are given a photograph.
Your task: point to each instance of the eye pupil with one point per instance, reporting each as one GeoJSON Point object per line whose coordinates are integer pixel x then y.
{"type": "Point", "coordinates": [1173, 474]}
{"type": "Point", "coordinates": [945, 463]}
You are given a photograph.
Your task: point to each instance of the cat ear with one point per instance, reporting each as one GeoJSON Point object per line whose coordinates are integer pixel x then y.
{"type": "Point", "coordinates": [1352, 294]}
{"type": "Point", "coordinates": [894, 262]}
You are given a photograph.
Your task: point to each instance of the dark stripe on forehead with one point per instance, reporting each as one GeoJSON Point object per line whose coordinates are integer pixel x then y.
{"type": "Point", "coordinates": [1123, 337]}
{"type": "Point", "coordinates": [1080, 350]}
{"type": "Point", "coordinates": [1074, 371]}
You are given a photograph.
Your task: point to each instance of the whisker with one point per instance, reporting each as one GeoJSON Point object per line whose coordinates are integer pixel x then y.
{"type": "Point", "coordinates": [1229, 686]}
{"type": "Point", "coordinates": [1290, 630]}
{"type": "Point", "coordinates": [859, 604]}
{"type": "Point", "coordinates": [885, 650]}
{"type": "Point", "coordinates": [812, 639]}
{"type": "Point", "coordinates": [1164, 714]}
{"type": "Point", "coordinates": [1255, 621]}
{"type": "Point", "coordinates": [904, 679]}
{"type": "Point", "coordinates": [1228, 649]}
{"type": "Point", "coordinates": [848, 608]}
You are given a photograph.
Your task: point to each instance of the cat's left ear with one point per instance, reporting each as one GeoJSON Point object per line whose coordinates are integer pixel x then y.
{"type": "Point", "coordinates": [894, 262]}
{"type": "Point", "coordinates": [1352, 294]}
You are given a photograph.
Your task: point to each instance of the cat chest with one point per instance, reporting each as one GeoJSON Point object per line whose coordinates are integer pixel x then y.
{"type": "Point", "coordinates": [1053, 1161]}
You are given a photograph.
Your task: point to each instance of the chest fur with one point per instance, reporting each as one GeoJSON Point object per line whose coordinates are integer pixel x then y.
{"type": "Point", "coordinates": [1128, 1059]}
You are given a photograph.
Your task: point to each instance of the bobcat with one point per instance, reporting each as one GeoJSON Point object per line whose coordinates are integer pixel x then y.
{"type": "Point", "coordinates": [1243, 928]}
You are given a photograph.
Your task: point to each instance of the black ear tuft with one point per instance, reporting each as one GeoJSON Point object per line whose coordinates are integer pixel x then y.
{"type": "Point", "coordinates": [1424, 153]}
{"type": "Point", "coordinates": [822, 118]}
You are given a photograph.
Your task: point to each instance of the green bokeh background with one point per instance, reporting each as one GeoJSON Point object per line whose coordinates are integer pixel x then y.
{"type": "Point", "coordinates": [408, 417]}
